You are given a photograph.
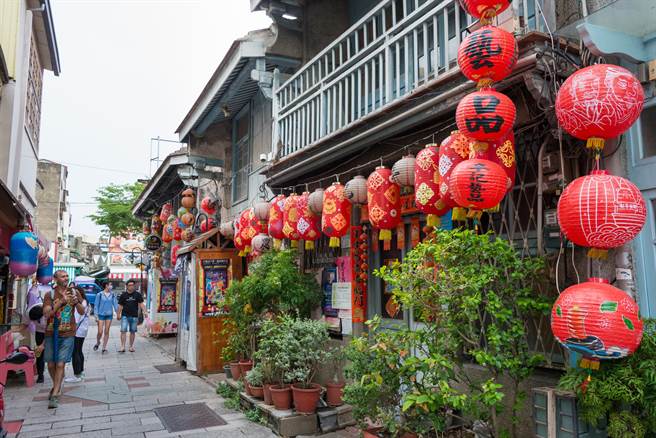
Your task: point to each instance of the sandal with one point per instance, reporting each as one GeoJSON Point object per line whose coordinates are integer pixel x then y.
{"type": "Point", "coordinates": [95, 347]}
{"type": "Point", "coordinates": [131, 349]}
{"type": "Point", "coordinates": [121, 351]}
{"type": "Point", "coordinates": [104, 351]}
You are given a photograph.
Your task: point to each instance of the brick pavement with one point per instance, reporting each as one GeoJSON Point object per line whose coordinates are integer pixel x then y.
{"type": "Point", "coordinates": [118, 398]}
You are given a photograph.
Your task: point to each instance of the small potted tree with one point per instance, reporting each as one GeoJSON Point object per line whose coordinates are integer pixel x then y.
{"type": "Point", "coordinates": [335, 388]}
{"type": "Point", "coordinates": [274, 356]}
{"type": "Point", "coordinates": [254, 382]}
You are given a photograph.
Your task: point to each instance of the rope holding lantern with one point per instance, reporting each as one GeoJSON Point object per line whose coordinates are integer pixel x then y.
{"type": "Point", "coordinates": [383, 202]}
{"type": "Point", "coordinates": [427, 185]}
{"type": "Point", "coordinates": [336, 214]}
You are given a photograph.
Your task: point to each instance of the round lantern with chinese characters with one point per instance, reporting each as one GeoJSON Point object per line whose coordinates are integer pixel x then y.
{"type": "Point", "coordinates": [209, 205]}
{"type": "Point", "coordinates": [601, 211]}
{"type": "Point", "coordinates": [290, 216]}
{"type": "Point", "coordinates": [276, 219]}
{"type": "Point", "coordinates": [384, 202]}
{"type": "Point", "coordinates": [478, 184]}
{"type": "Point", "coordinates": [599, 102]}
{"type": "Point", "coordinates": [166, 212]}
{"type": "Point", "coordinates": [485, 10]}
{"type": "Point", "coordinates": [44, 271]}
{"type": "Point", "coordinates": [308, 224]}
{"type": "Point", "coordinates": [315, 201]}
{"type": "Point", "coordinates": [487, 55]}
{"type": "Point", "coordinates": [356, 190]}
{"type": "Point", "coordinates": [261, 243]}
{"type": "Point", "coordinates": [501, 152]}
{"type": "Point", "coordinates": [427, 187]}
{"type": "Point", "coordinates": [597, 320]}
{"type": "Point", "coordinates": [485, 115]}
{"type": "Point", "coordinates": [227, 230]}
{"type": "Point", "coordinates": [336, 214]}
{"type": "Point", "coordinates": [249, 227]}
{"type": "Point", "coordinates": [403, 171]}
{"type": "Point", "coordinates": [237, 239]}
{"type": "Point", "coordinates": [453, 150]}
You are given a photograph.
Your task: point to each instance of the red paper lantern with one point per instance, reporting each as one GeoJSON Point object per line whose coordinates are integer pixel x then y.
{"type": "Point", "coordinates": [599, 102]}
{"type": "Point", "coordinates": [487, 55]}
{"type": "Point", "coordinates": [336, 214]}
{"type": "Point", "coordinates": [249, 227]}
{"type": "Point", "coordinates": [502, 153]}
{"type": "Point", "coordinates": [485, 10]}
{"type": "Point", "coordinates": [166, 212]}
{"type": "Point", "coordinates": [207, 225]}
{"type": "Point", "coordinates": [601, 211]}
{"type": "Point", "coordinates": [290, 216]}
{"type": "Point", "coordinates": [276, 219]}
{"type": "Point", "coordinates": [167, 233]}
{"type": "Point", "coordinates": [597, 320]}
{"type": "Point", "coordinates": [485, 115]}
{"type": "Point", "coordinates": [237, 239]}
{"type": "Point", "coordinates": [453, 151]}
{"type": "Point", "coordinates": [177, 233]}
{"type": "Point", "coordinates": [478, 184]}
{"type": "Point", "coordinates": [383, 202]}
{"type": "Point", "coordinates": [427, 185]}
{"type": "Point", "coordinates": [209, 205]}
{"type": "Point", "coordinates": [309, 224]}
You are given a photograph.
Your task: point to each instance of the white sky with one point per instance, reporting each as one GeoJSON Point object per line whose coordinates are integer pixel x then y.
{"type": "Point", "coordinates": [131, 69]}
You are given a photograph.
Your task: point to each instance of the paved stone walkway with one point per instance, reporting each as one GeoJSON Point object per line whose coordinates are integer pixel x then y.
{"type": "Point", "coordinates": [118, 398]}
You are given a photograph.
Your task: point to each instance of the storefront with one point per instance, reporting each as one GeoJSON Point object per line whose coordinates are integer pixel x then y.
{"type": "Point", "coordinates": [163, 302]}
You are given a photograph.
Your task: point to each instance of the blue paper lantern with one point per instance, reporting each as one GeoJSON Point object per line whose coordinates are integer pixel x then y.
{"type": "Point", "coordinates": [23, 253]}
{"type": "Point", "coordinates": [44, 272]}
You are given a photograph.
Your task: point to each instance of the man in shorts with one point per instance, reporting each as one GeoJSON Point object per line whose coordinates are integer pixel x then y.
{"type": "Point", "coordinates": [59, 307]}
{"type": "Point", "coordinates": [128, 313]}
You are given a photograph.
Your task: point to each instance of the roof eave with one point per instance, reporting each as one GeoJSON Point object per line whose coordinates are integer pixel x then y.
{"type": "Point", "coordinates": [51, 37]}
{"type": "Point", "coordinates": [174, 159]}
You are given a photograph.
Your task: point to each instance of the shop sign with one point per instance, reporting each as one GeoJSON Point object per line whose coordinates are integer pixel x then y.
{"type": "Point", "coordinates": [153, 242]}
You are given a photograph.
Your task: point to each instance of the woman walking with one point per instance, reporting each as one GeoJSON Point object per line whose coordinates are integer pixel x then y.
{"type": "Point", "coordinates": [82, 321]}
{"type": "Point", "coordinates": [105, 305]}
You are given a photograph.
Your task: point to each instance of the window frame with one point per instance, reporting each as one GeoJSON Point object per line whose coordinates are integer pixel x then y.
{"type": "Point", "coordinates": [237, 149]}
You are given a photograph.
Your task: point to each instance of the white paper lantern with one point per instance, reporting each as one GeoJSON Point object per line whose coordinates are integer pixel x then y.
{"type": "Point", "coordinates": [356, 190]}
{"type": "Point", "coordinates": [403, 171]}
{"type": "Point", "coordinates": [227, 230]}
{"type": "Point", "coordinates": [315, 201]}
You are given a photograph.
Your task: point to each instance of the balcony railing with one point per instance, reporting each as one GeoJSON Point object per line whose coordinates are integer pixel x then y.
{"type": "Point", "coordinates": [397, 47]}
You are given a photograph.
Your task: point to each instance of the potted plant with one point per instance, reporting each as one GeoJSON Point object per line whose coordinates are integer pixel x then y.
{"type": "Point", "coordinates": [308, 350]}
{"type": "Point", "coordinates": [254, 382]}
{"type": "Point", "coordinates": [275, 360]}
{"type": "Point", "coordinates": [268, 377]}
{"type": "Point", "coordinates": [335, 388]}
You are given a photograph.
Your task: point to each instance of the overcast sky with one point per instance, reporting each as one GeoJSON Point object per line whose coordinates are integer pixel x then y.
{"type": "Point", "coordinates": [131, 69]}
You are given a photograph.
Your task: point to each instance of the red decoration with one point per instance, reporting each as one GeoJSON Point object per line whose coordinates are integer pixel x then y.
{"type": "Point", "coordinates": [601, 211]}
{"type": "Point", "coordinates": [207, 225]}
{"type": "Point", "coordinates": [167, 233]}
{"type": "Point", "coordinates": [427, 185]}
{"type": "Point", "coordinates": [453, 151]}
{"type": "Point", "coordinates": [487, 55]}
{"type": "Point", "coordinates": [336, 214]}
{"type": "Point", "coordinates": [383, 202]}
{"type": "Point", "coordinates": [291, 216]}
{"type": "Point", "coordinates": [177, 233]}
{"type": "Point", "coordinates": [485, 10]}
{"type": "Point", "coordinates": [359, 268]}
{"type": "Point", "coordinates": [597, 320]}
{"type": "Point", "coordinates": [485, 115]}
{"type": "Point", "coordinates": [478, 184]}
{"type": "Point", "coordinates": [276, 219]}
{"type": "Point", "coordinates": [249, 227]}
{"type": "Point", "coordinates": [166, 212]}
{"type": "Point", "coordinates": [209, 205]}
{"type": "Point", "coordinates": [309, 224]}
{"type": "Point", "coordinates": [502, 153]}
{"type": "Point", "coordinates": [599, 102]}
{"type": "Point", "coordinates": [174, 254]}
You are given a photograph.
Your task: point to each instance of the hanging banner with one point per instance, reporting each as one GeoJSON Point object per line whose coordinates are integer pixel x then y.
{"type": "Point", "coordinates": [415, 231]}
{"type": "Point", "coordinates": [168, 296]}
{"type": "Point", "coordinates": [400, 236]}
{"type": "Point", "coordinates": [215, 282]}
{"type": "Point", "coordinates": [359, 275]}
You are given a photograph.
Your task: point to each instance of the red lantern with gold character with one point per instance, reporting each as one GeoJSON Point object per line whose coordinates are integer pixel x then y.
{"type": "Point", "coordinates": [599, 102]}
{"type": "Point", "coordinates": [309, 224]}
{"type": "Point", "coordinates": [453, 151]}
{"type": "Point", "coordinates": [501, 152]}
{"type": "Point", "coordinates": [336, 214]}
{"type": "Point", "coordinates": [485, 115]}
{"type": "Point", "coordinates": [383, 202]}
{"type": "Point", "coordinates": [597, 320]}
{"type": "Point", "coordinates": [478, 184]}
{"type": "Point", "coordinates": [485, 10]}
{"type": "Point", "coordinates": [290, 217]}
{"type": "Point", "coordinates": [601, 211]}
{"type": "Point", "coordinates": [276, 219]}
{"type": "Point", "coordinates": [427, 185]}
{"type": "Point", "coordinates": [487, 55]}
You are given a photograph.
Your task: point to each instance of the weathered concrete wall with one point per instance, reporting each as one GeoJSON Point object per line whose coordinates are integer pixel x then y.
{"type": "Point", "coordinates": [324, 21]}
{"type": "Point", "coordinates": [50, 198]}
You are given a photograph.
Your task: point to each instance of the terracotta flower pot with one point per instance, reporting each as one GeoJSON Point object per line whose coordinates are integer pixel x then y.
{"type": "Point", "coordinates": [334, 392]}
{"type": "Point", "coordinates": [247, 387]}
{"type": "Point", "coordinates": [245, 366]}
{"type": "Point", "coordinates": [257, 391]}
{"type": "Point", "coordinates": [281, 396]}
{"type": "Point", "coordinates": [235, 370]}
{"type": "Point", "coordinates": [267, 394]}
{"type": "Point", "coordinates": [371, 432]}
{"type": "Point", "coordinates": [305, 399]}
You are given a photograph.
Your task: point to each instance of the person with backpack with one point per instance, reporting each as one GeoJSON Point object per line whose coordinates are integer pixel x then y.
{"type": "Point", "coordinates": [82, 321]}
{"type": "Point", "coordinates": [105, 305]}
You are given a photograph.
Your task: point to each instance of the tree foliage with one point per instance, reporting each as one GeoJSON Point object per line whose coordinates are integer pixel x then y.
{"type": "Point", "coordinates": [114, 211]}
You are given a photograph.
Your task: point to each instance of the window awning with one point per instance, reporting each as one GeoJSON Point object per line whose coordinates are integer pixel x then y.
{"type": "Point", "coordinates": [125, 274]}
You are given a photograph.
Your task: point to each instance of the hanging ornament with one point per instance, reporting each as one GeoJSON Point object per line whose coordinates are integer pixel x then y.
{"type": "Point", "coordinates": [309, 224]}
{"type": "Point", "coordinates": [155, 224]}
{"type": "Point", "coordinates": [166, 212]}
{"type": "Point", "coordinates": [171, 219]}
{"type": "Point", "coordinates": [227, 230]}
{"type": "Point", "coordinates": [167, 233]}
{"type": "Point", "coordinates": [177, 233]}
{"type": "Point", "coordinates": [315, 201]}
{"type": "Point", "coordinates": [44, 271]}
{"type": "Point", "coordinates": [427, 185]}
{"type": "Point", "coordinates": [188, 198]}
{"type": "Point", "coordinates": [501, 152]}
{"type": "Point", "coordinates": [601, 211]}
{"type": "Point", "coordinates": [182, 211]}
{"type": "Point", "coordinates": [249, 227]}
{"type": "Point", "coordinates": [336, 214]}
{"type": "Point", "coordinates": [356, 190]}
{"type": "Point", "coordinates": [453, 150]}
{"type": "Point", "coordinates": [207, 225]}
{"type": "Point", "coordinates": [599, 102]}
{"type": "Point", "coordinates": [145, 227]}
{"type": "Point", "coordinates": [237, 240]}
{"type": "Point", "coordinates": [478, 184]}
{"type": "Point", "coordinates": [174, 254]}
{"type": "Point", "coordinates": [485, 115]}
{"type": "Point", "coordinates": [277, 220]}
{"type": "Point", "coordinates": [384, 202]}
{"type": "Point", "coordinates": [597, 320]}
{"type": "Point", "coordinates": [290, 218]}
{"type": "Point", "coordinates": [403, 171]}
{"type": "Point", "coordinates": [485, 10]}
{"type": "Point", "coordinates": [261, 243]}
{"type": "Point", "coordinates": [209, 205]}
{"type": "Point", "coordinates": [487, 55]}
{"type": "Point", "coordinates": [187, 219]}
{"type": "Point", "coordinates": [261, 210]}
{"type": "Point", "coordinates": [188, 235]}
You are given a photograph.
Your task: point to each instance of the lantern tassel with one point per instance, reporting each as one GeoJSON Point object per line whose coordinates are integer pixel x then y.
{"type": "Point", "coordinates": [598, 254]}
{"type": "Point", "coordinates": [334, 242]}
{"type": "Point", "coordinates": [433, 220]}
{"type": "Point", "coordinates": [484, 83]}
{"type": "Point", "coordinates": [474, 214]}
{"type": "Point", "coordinates": [309, 244]}
{"type": "Point", "coordinates": [294, 243]}
{"type": "Point", "coordinates": [241, 253]}
{"type": "Point", "coordinates": [247, 250]}
{"type": "Point", "coordinates": [595, 143]}
{"type": "Point", "coordinates": [385, 235]}
{"type": "Point", "coordinates": [494, 209]}
{"type": "Point", "coordinates": [459, 214]}
{"type": "Point", "coordinates": [277, 243]}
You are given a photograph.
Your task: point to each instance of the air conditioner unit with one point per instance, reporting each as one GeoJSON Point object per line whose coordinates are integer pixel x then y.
{"type": "Point", "coordinates": [555, 415]}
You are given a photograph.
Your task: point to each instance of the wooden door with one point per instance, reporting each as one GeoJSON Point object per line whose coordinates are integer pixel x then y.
{"type": "Point", "coordinates": [215, 270]}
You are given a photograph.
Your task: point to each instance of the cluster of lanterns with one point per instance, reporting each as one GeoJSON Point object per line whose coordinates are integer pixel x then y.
{"type": "Point", "coordinates": [29, 256]}
{"type": "Point", "coordinates": [599, 211]}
